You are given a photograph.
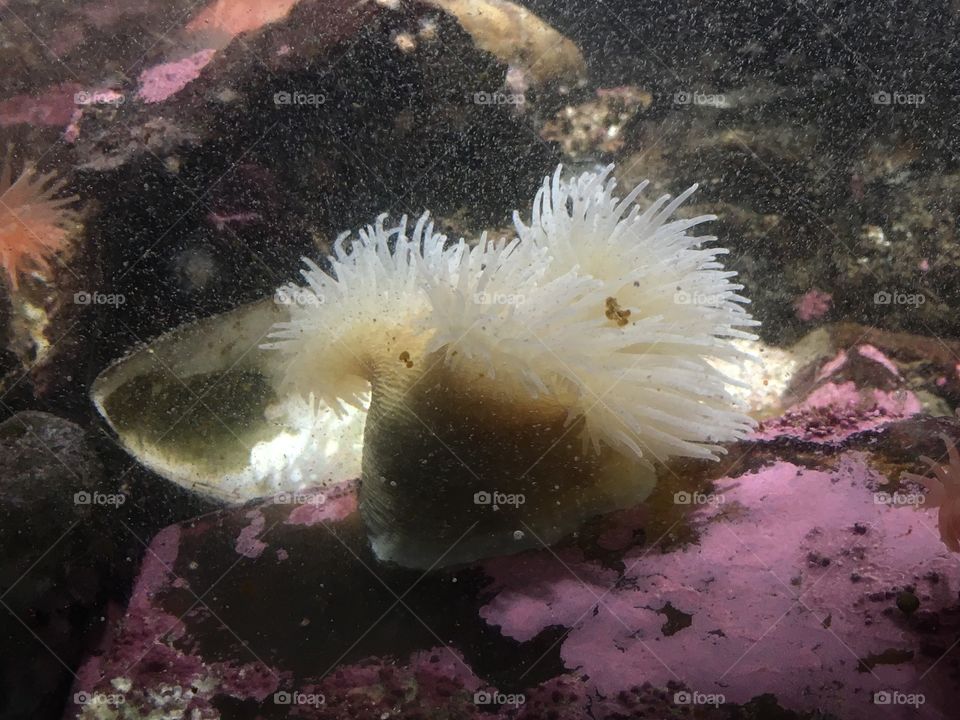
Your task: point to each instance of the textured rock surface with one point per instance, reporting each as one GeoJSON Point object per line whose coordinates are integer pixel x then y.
{"type": "Point", "coordinates": [53, 559]}
{"type": "Point", "coordinates": [796, 576]}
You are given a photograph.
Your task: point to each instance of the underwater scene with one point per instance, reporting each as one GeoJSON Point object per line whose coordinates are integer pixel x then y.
{"type": "Point", "coordinates": [479, 359]}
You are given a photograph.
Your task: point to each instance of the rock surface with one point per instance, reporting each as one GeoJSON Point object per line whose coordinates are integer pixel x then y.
{"type": "Point", "coordinates": [54, 559]}
{"type": "Point", "coordinates": [797, 576]}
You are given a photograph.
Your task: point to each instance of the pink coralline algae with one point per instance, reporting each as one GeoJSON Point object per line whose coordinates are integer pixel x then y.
{"type": "Point", "coordinates": [834, 412]}
{"type": "Point", "coordinates": [813, 305]}
{"type": "Point", "coordinates": [55, 107]}
{"type": "Point", "coordinates": [788, 591]}
{"type": "Point", "coordinates": [857, 390]}
{"type": "Point", "coordinates": [335, 503]}
{"type": "Point", "coordinates": [869, 351]}
{"type": "Point", "coordinates": [308, 508]}
{"type": "Point", "coordinates": [144, 652]}
{"type": "Point", "coordinates": [222, 221]}
{"type": "Point", "coordinates": [432, 683]}
{"type": "Point", "coordinates": [249, 543]}
{"type": "Point", "coordinates": [161, 81]}
{"type": "Point", "coordinates": [563, 595]}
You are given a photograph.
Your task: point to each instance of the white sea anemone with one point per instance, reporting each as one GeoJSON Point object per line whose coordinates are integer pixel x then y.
{"type": "Point", "coordinates": [600, 319]}
{"type": "Point", "coordinates": [612, 310]}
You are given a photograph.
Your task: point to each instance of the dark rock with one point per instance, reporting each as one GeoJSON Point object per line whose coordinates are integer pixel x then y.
{"type": "Point", "coordinates": [54, 559]}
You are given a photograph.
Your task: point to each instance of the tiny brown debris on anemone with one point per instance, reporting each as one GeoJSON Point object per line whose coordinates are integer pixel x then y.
{"type": "Point", "coordinates": [614, 312]}
{"type": "Point", "coordinates": [35, 224]}
{"type": "Point", "coordinates": [943, 492]}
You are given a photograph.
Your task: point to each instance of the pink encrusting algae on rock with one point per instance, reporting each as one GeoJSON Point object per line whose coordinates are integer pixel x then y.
{"type": "Point", "coordinates": [944, 493]}
{"type": "Point", "coordinates": [789, 590]}
{"type": "Point", "coordinates": [145, 653]}
{"type": "Point", "coordinates": [53, 107]}
{"type": "Point", "coordinates": [161, 81]}
{"type": "Point", "coordinates": [249, 543]}
{"type": "Point", "coordinates": [858, 389]}
{"type": "Point", "coordinates": [835, 411]}
{"type": "Point", "coordinates": [35, 224]}
{"type": "Point", "coordinates": [813, 305]}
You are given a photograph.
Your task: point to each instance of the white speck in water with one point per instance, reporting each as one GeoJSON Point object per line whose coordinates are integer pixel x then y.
{"type": "Point", "coordinates": [518, 535]}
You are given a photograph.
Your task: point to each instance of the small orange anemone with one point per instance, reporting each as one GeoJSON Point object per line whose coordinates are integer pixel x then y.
{"type": "Point", "coordinates": [943, 492]}
{"type": "Point", "coordinates": [35, 224]}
